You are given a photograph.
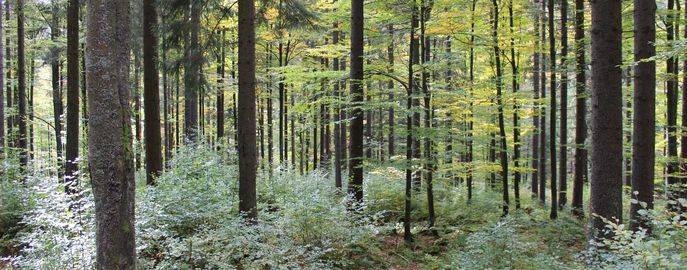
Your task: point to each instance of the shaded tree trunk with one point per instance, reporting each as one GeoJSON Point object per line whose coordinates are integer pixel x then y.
{"type": "Point", "coordinates": [58, 108]}
{"type": "Point", "coordinates": [644, 137]}
{"type": "Point", "coordinates": [192, 75]}
{"type": "Point", "coordinates": [499, 101]}
{"type": "Point", "coordinates": [407, 234]}
{"type": "Point", "coordinates": [542, 110]}
{"type": "Point", "coordinates": [672, 95]}
{"type": "Point", "coordinates": [151, 90]}
{"type": "Point", "coordinates": [607, 126]}
{"type": "Point", "coordinates": [355, 185]}
{"type": "Point", "coordinates": [563, 159]}
{"type": "Point", "coordinates": [516, 128]}
{"type": "Point", "coordinates": [2, 94]}
{"type": "Point", "coordinates": [246, 106]}
{"type": "Point", "coordinates": [21, 90]}
{"type": "Point", "coordinates": [72, 166]}
{"type": "Point", "coordinates": [580, 111]}
{"type": "Point", "coordinates": [535, 117]}
{"type": "Point", "coordinates": [552, 109]}
{"type": "Point", "coordinates": [390, 87]}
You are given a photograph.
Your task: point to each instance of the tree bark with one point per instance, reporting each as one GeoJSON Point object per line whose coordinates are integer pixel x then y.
{"type": "Point", "coordinates": [535, 117]}
{"type": "Point", "coordinates": [355, 186]}
{"type": "Point", "coordinates": [109, 139]}
{"type": "Point", "coordinates": [72, 165]}
{"type": "Point", "coordinates": [542, 110]}
{"type": "Point", "coordinates": [644, 128]}
{"type": "Point", "coordinates": [580, 111]}
{"type": "Point", "coordinates": [607, 125]}
{"type": "Point", "coordinates": [407, 234]}
{"type": "Point", "coordinates": [563, 157]}
{"type": "Point", "coordinates": [2, 94]}
{"type": "Point", "coordinates": [246, 107]}
{"type": "Point", "coordinates": [58, 108]}
{"type": "Point", "coordinates": [552, 108]}
{"type": "Point", "coordinates": [151, 84]}
{"type": "Point", "coordinates": [516, 128]}
{"type": "Point", "coordinates": [21, 90]}
{"type": "Point", "coordinates": [499, 102]}
{"type": "Point", "coordinates": [192, 75]}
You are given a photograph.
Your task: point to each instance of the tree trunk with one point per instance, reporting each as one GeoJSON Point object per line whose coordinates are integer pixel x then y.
{"type": "Point", "coordinates": [580, 111]}
{"type": "Point", "coordinates": [192, 76]}
{"type": "Point", "coordinates": [407, 234]}
{"type": "Point", "coordinates": [499, 101]}
{"type": "Point", "coordinates": [8, 64]}
{"type": "Point", "coordinates": [58, 108]}
{"type": "Point", "coordinates": [151, 90]}
{"type": "Point", "coordinates": [390, 86]}
{"type": "Point", "coordinates": [563, 159]}
{"type": "Point", "coordinates": [425, 12]}
{"type": "Point", "coordinates": [671, 93]}
{"type": "Point", "coordinates": [72, 166]}
{"type": "Point", "coordinates": [644, 137]}
{"type": "Point", "coordinates": [542, 110]}
{"type": "Point", "coordinates": [607, 125]}
{"type": "Point", "coordinates": [21, 91]}
{"type": "Point", "coordinates": [472, 79]}
{"type": "Point", "coordinates": [2, 94]}
{"type": "Point", "coordinates": [552, 109]}
{"type": "Point", "coordinates": [516, 118]}
{"type": "Point", "coordinates": [355, 186]}
{"type": "Point", "coordinates": [246, 107]}
{"type": "Point", "coordinates": [109, 139]}
{"type": "Point", "coordinates": [535, 116]}
{"type": "Point", "coordinates": [338, 183]}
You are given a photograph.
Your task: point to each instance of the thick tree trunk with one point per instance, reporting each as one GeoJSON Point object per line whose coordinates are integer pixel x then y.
{"type": "Point", "coordinates": [72, 166]}
{"type": "Point", "coordinates": [580, 111]}
{"type": "Point", "coordinates": [607, 125]}
{"type": "Point", "coordinates": [151, 84]}
{"type": "Point", "coordinates": [246, 117]}
{"type": "Point", "coordinates": [644, 137]}
{"type": "Point", "coordinates": [109, 139]}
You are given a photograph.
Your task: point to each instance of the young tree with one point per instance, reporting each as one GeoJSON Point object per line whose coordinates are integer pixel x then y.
{"type": "Point", "coordinates": [109, 133]}
{"type": "Point", "coordinates": [355, 186]}
{"type": "Point", "coordinates": [151, 93]}
{"type": "Point", "coordinates": [72, 148]}
{"type": "Point", "coordinates": [607, 125]}
{"type": "Point", "coordinates": [246, 111]}
{"type": "Point", "coordinates": [644, 128]}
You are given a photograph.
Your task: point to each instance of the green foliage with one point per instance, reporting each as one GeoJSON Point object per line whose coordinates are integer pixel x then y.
{"type": "Point", "coordinates": [12, 206]}
{"type": "Point", "coordinates": [664, 248]}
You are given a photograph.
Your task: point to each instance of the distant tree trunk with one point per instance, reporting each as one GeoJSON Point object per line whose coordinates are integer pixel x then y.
{"type": "Point", "coordinates": [563, 159]}
{"type": "Point", "coordinates": [270, 98]}
{"type": "Point", "coordinates": [2, 94]}
{"type": "Point", "coordinates": [580, 111]}
{"type": "Point", "coordinates": [72, 165]}
{"type": "Point", "coordinates": [627, 170]}
{"type": "Point", "coordinates": [192, 76]}
{"type": "Point", "coordinates": [552, 109]}
{"type": "Point", "coordinates": [167, 98]}
{"type": "Point", "coordinates": [30, 106]}
{"type": "Point", "coordinates": [338, 183]}
{"type": "Point", "coordinates": [607, 126]}
{"type": "Point", "coordinates": [499, 101]}
{"type": "Point", "coordinates": [246, 117]}
{"type": "Point", "coordinates": [137, 111]}
{"type": "Point", "coordinates": [644, 137]}
{"type": "Point", "coordinates": [282, 148]}
{"type": "Point", "coordinates": [684, 116]}
{"type": "Point", "coordinates": [151, 90]}
{"type": "Point", "coordinates": [542, 120]}
{"type": "Point", "coordinates": [535, 117]}
{"type": "Point", "coordinates": [516, 118]}
{"type": "Point", "coordinates": [472, 79]}
{"type": "Point", "coordinates": [415, 87]}
{"type": "Point", "coordinates": [425, 12]}
{"type": "Point", "coordinates": [109, 138]}
{"type": "Point", "coordinates": [390, 86]}
{"type": "Point", "coordinates": [672, 95]}
{"type": "Point", "coordinates": [8, 64]}
{"type": "Point", "coordinates": [407, 234]}
{"type": "Point", "coordinates": [21, 91]}
{"type": "Point", "coordinates": [58, 108]}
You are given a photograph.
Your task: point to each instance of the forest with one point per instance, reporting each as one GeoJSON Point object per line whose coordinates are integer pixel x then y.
{"type": "Point", "coordinates": [343, 134]}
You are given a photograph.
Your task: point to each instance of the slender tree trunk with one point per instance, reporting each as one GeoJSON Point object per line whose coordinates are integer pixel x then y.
{"type": "Point", "coordinates": [338, 183]}
{"type": "Point", "coordinates": [355, 185]}
{"type": "Point", "coordinates": [672, 95]}
{"type": "Point", "coordinates": [644, 137]}
{"type": "Point", "coordinates": [109, 139]}
{"type": "Point", "coordinates": [56, 93]}
{"type": "Point", "coordinates": [2, 94]}
{"type": "Point", "coordinates": [151, 90]}
{"type": "Point", "coordinates": [8, 64]}
{"type": "Point", "coordinates": [407, 234]}
{"type": "Point", "coordinates": [390, 86]}
{"type": "Point", "coordinates": [472, 80]}
{"type": "Point", "coordinates": [580, 111]}
{"type": "Point", "coordinates": [516, 128]}
{"type": "Point", "coordinates": [72, 166]}
{"type": "Point", "coordinates": [137, 111]}
{"type": "Point", "coordinates": [542, 110]}
{"type": "Point", "coordinates": [220, 90]}
{"type": "Point", "coordinates": [563, 159]}
{"type": "Point", "coordinates": [426, 10]}
{"type": "Point", "coordinates": [627, 153]}
{"type": "Point", "coordinates": [535, 118]}
{"type": "Point", "coordinates": [192, 75]}
{"type": "Point", "coordinates": [552, 109]}
{"type": "Point", "coordinates": [499, 100]}
{"type": "Point", "coordinates": [246, 117]}
{"type": "Point", "coordinates": [607, 126]}
{"type": "Point", "coordinates": [21, 91]}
